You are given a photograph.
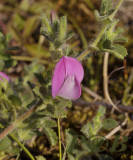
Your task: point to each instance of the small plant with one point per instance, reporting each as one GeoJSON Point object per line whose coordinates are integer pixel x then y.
{"type": "Point", "coordinates": [27, 106]}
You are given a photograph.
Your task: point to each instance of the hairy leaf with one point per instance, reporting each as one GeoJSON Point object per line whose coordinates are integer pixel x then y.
{"type": "Point", "coordinates": [5, 143]}
{"type": "Point", "coordinates": [71, 141]}
{"type": "Point", "coordinates": [109, 124]}
{"type": "Point", "coordinates": [51, 135]}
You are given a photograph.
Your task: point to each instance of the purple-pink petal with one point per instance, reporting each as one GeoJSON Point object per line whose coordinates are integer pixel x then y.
{"type": "Point", "coordinates": [4, 76]}
{"type": "Point", "coordinates": [66, 79]}
{"type": "Point", "coordinates": [73, 67]}
{"type": "Point", "coordinates": [58, 77]}
{"type": "Point", "coordinates": [71, 88]}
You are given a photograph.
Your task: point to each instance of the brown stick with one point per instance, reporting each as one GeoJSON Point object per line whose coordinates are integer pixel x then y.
{"type": "Point", "coordinates": [105, 82]}
{"type": "Point", "coordinates": [84, 103]}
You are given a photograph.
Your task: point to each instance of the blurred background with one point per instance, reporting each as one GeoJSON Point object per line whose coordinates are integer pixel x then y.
{"type": "Point", "coordinates": [21, 18]}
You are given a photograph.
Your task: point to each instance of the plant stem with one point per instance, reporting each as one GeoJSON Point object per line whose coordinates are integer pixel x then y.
{"type": "Point", "coordinates": [96, 41]}
{"type": "Point", "coordinates": [116, 9]}
{"type": "Point", "coordinates": [105, 81]}
{"type": "Point", "coordinates": [14, 125]}
{"type": "Point", "coordinates": [20, 144]}
{"type": "Point", "coordinates": [94, 44]}
{"type": "Point", "coordinates": [59, 135]}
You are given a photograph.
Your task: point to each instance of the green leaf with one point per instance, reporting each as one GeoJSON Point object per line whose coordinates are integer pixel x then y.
{"type": "Point", "coordinates": [100, 114]}
{"type": "Point", "coordinates": [10, 63]}
{"type": "Point", "coordinates": [104, 18]}
{"type": "Point", "coordinates": [4, 56]}
{"type": "Point", "coordinates": [96, 143]}
{"type": "Point", "coordinates": [25, 134]}
{"type": "Point", "coordinates": [51, 135]}
{"type": "Point", "coordinates": [107, 44]}
{"type": "Point", "coordinates": [55, 111]}
{"type": "Point", "coordinates": [91, 129]}
{"type": "Point", "coordinates": [2, 64]}
{"type": "Point", "coordinates": [24, 5]}
{"type": "Point", "coordinates": [110, 37]}
{"type": "Point", "coordinates": [62, 102]}
{"type": "Point", "coordinates": [15, 100]}
{"type": "Point", "coordinates": [8, 37]}
{"type": "Point", "coordinates": [59, 112]}
{"type": "Point", "coordinates": [118, 50]}
{"type": "Point", "coordinates": [109, 124]}
{"type": "Point", "coordinates": [71, 157]}
{"type": "Point", "coordinates": [5, 103]}
{"type": "Point", "coordinates": [41, 92]}
{"type": "Point", "coordinates": [120, 39]}
{"type": "Point", "coordinates": [30, 25]}
{"type": "Point", "coordinates": [71, 141]}
{"type": "Point", "coordinates": [46, 121]}
{"type": "Point", "coordinates": [106, 7]}
{"type": "Point", "coordinates": [87, 130]}
{"type": "Point", "coordinates": [37, 51]}
{"type": "Point", "coordinates": [40, 158]}
{"type": "Point", "coordinates": [5, 144]}
{"type": "Point", "coordinates": [38, 6]}
{"type": "Point", "coordinates": [18, 22]}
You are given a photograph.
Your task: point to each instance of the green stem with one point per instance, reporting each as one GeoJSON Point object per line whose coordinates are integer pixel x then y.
{"type": "Point", "coordinates": [96, 41]}
{"type": "Point", "coordinates": [20, 144]}
{"type": "Point", "coordinates": [94, 44]}
{"type": "Point", "coordinates": [116, 9]}
{"type": "Point", "coordinates": [60, 152]}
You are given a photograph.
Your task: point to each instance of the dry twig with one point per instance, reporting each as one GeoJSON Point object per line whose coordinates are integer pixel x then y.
{"type": "Point", "coordinates": [115, 130]}
{"type": "Point", "coordinates": [91, 93]}
{"type": "Point", "coordinates": [105, 82]}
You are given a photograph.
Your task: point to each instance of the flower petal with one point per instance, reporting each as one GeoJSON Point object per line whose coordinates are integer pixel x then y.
{"type": "Point", "coordinates": [73, 67]}
{"type": "Point", "coordinates": [71, 88]}
{"type": "Point", "coordinates": [58, 77]}
{"type": "Point", "coordinates": [67, 66]}
{"type": "Point", "coordinates": [4, 76]}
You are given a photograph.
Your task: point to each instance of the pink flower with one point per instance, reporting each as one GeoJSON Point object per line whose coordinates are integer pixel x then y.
{"type": "Point", "coordinates": [67, 77]}
{"type": "Point", "coordinates": [3, 77]}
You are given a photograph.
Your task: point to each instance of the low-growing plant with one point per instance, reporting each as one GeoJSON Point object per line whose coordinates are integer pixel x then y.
{"type": "Point", "coordinates": [31, 105]}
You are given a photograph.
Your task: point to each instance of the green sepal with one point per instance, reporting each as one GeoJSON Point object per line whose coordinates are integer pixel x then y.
{"type": "Point", "coordinates": [45, 23]}
{"type": "Point", "coordinates": [62, 27]}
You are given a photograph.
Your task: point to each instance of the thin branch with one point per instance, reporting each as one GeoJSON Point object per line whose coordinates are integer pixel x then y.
{"type": "Point", "coordinates": [115, 130]}
{"type": "Point", "coordinates": [115, 71]}
{"type": "Point", "coordinates": [84, 103]}
{"type": "Point", "coordinates": [105, 81]}
{"type": "Point", "coordinates": [91, 93]}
